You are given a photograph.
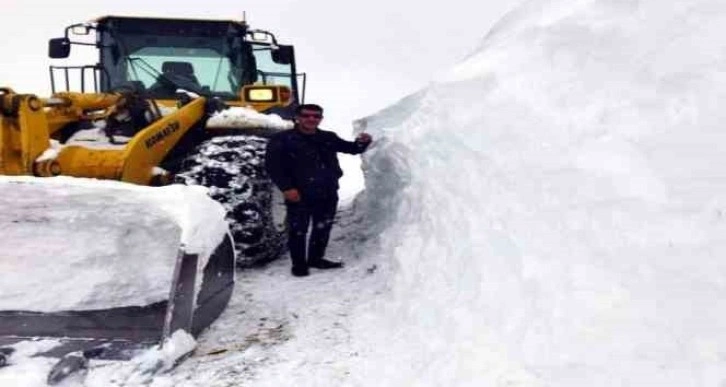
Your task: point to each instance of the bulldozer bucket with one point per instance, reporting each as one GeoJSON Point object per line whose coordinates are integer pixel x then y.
{"type": "Point", "coordinates": [201, 281]}
{"type": "Point", "coordinates": [120, 333]}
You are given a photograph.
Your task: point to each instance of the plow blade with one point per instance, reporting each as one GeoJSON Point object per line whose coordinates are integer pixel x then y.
{"type": "Point", "coordinates": [198, 278]}
{"type": "Point", "coordinates": [120, 333]}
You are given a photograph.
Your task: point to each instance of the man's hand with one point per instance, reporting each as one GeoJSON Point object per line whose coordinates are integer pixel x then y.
{"type": "Point", "coordinates": [364, 138]}
{"type": "Point", "coordinates": [292, 195]}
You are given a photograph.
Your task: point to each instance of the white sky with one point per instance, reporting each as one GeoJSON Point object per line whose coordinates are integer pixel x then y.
{"type": "Point", "coordinates": [360, 56]}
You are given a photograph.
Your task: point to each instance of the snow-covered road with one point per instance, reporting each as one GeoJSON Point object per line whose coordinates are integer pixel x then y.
{"type": "Point", "coordinates": [277, 330]}
{"type": "Point", "coordinates": [281, 330]}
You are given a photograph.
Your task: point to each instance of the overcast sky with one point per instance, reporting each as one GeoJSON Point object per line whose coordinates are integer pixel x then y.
{"type": "Point", "coordinates": [359, 56]}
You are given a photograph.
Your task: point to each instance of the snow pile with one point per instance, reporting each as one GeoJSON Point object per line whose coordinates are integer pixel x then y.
{"type": "Point", "coordinates": [92, 244]}
{"type": "Point", "coordinates": [242, 117]}
{"type": "Point", "coordinates": [51, 153]}
{"type": "Point", "coordinates": [148, 367]}
{"type": "Point", "coordinates": [554, 208]}
{"type": "Point", "coordinates": [97, 138]}
{"type": "Point", "coordinates": [28, 370]}
{"type": "Point", "coordinates": [164, 357]}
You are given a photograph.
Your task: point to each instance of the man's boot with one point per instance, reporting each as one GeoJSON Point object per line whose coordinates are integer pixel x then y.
{"type": "Point", "coordinates": [300, 271]}
{"type": "Point", "coordinates": [325, 264]}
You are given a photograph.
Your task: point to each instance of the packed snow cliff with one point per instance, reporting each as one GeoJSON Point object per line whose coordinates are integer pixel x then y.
{"type": "Point", "coordinates": [553, 208]}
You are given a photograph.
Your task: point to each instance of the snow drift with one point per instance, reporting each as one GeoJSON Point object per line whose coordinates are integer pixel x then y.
{"type": "Point", "coordinates": [553, 207]}
{"type": "Point", "coordinates": [82, 244]}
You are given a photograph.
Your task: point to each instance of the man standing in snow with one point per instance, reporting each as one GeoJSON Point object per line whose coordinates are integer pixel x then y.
{"type": "Point", "coordinates": [303, 163]}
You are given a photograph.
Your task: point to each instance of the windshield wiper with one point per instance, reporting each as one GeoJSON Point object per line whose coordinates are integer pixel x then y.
{"type": "Point", "coordinates": [146, 68]}
{"type": "Point", "coordinates": [166, 80]}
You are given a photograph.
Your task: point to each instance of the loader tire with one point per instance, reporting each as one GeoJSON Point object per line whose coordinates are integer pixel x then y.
{"type": "Point", "coordinates": [233, 167]}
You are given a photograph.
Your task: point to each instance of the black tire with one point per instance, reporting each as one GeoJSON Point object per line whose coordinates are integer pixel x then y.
{"type": "Point", "coordinates": [233, 167]}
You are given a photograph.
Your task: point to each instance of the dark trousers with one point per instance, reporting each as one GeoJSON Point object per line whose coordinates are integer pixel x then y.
{"type": "Point", "coordinates": [299, 215]}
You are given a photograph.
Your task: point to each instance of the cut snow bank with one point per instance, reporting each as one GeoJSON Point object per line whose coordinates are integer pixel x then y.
{"type": "Point", "coordinates": [81, 244]}
{"type": "Point", "coordinates": [554, 207]}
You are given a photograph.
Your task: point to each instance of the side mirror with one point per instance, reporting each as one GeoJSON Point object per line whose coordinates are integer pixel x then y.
{"type": "Point", "coordinates": [283, 55]}
{"type": "Point", "coordinates": [59, 48]}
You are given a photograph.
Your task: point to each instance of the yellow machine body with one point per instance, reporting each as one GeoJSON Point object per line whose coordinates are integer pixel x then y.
{"type": "Point", "coordinates": [155, 85]}
{"type": "Point", "coordinates": [28, 124]}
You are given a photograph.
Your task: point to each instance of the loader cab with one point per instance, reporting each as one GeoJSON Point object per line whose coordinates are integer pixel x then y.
{"type": "Point", "coordinates": [213, 58]}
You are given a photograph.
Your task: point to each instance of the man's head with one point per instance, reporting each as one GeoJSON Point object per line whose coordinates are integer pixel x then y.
{"type": "Point", "coordinates": [308, 117]}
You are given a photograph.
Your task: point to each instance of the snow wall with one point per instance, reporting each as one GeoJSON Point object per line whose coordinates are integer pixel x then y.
{"type": "Point", "coordinates": [553, 208]}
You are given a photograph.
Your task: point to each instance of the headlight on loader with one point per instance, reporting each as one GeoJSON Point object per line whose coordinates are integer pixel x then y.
{"type": "Point", "coordinates": [261, 95]}
{"type": "Point", "coordinates": [264, 97]}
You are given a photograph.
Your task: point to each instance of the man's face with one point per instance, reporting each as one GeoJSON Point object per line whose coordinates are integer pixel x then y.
{"type": "Point", "coordinates": [308, 120]}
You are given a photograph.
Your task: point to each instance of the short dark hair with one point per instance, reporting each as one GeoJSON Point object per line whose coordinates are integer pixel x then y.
{"type": "Point", "coordinates": [308, 106]}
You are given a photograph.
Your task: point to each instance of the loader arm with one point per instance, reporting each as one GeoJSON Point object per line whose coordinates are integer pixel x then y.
{"type": "Point", "coordinates": [135, 162]}
{"type": "Point", "coordinates": [20, 146]}
{"type": "Point", "coordinates": [151, 145]}
{"type": "Point", "coordinates": [27, 124]}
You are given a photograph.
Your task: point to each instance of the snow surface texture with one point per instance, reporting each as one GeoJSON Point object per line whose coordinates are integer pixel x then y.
{"type": "Point", "coordinates": [27, 370]}
{"type": "Point", "coordinates": [554, 208]}
{"type": "Point", "coordinates": [161, 359]}
{"type": "Point", "coordinates": [278, 330]}
{"type": "Point", "coordinates": [242, 117]}
{"type": "Point", "coordinates": [92, 244]}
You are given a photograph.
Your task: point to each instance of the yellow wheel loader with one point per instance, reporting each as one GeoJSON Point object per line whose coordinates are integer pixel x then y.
{"type": "Point", "coordinates": [168, 101]}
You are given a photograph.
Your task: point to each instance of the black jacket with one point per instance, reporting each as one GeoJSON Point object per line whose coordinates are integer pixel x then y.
{"type": "Point", "coordinates": [308, 162]}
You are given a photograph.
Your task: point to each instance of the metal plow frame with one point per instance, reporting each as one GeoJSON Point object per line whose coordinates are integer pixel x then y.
{"type": "Point", "coordinates": [120, 333]}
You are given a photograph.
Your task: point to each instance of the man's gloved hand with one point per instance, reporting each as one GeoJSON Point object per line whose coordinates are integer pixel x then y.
{"type": "Point", "coordinates": [292, 195]}
{"type": "Point", "coordinates": [364, 138]}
